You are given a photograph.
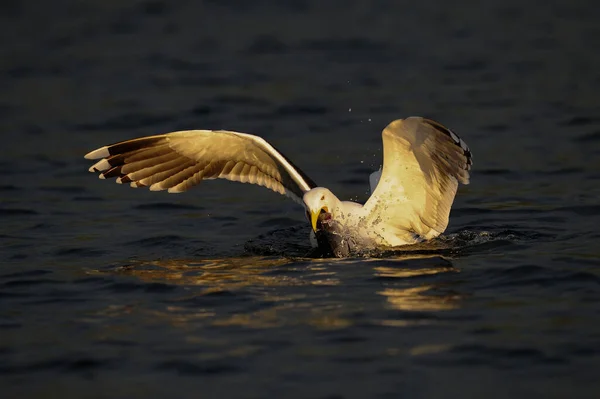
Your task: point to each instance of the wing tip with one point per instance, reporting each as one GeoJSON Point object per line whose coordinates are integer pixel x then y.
{"type": "Point", "coordinates": [101, 152]}
{"type": "Point", "coordinates": [155, 187]}
{"type": "Point", "coordinates": [100, 166]}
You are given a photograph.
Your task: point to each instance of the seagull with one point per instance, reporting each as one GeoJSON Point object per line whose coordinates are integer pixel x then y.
{"type": "Point", "coordinates": [411, 195]}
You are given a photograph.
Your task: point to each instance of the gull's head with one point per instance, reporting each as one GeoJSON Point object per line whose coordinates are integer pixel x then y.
{"type": "Point", "coordinates": [320, 205]}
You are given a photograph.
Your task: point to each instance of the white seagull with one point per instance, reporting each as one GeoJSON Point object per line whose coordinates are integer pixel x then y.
{"type": "Point", "coordinates": [423, 162]}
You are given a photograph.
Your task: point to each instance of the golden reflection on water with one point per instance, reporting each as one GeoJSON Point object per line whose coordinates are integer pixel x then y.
{"type": "Point", "coordinates": [259, 278]}
{"type": "Point", "coordinates": [217, 275]}
{"type": "Point", "coordinates": [214, 276]}
{"type": "Point", "coordinates": [418, 298]}
{"type": "Point", "coordinates": [325, 318]}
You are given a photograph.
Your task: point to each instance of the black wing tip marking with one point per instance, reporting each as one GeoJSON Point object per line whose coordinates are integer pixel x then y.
{"type": "Point", "coordinates": [114, 155]}
{"type": "Point", "coordinates": [126, 146]}
{"type": "Point", "coordinates": [455, 138]}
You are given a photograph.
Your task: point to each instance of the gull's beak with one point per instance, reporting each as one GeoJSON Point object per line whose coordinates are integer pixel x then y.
{"type": "Point", "coordinates": [314, 216]}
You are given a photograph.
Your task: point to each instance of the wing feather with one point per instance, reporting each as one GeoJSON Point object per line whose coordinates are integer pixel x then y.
{"type": "Point", "coordinates": [152, 170]}
{"type": "Point", "coordinates": [179, 160]}
{"type": "Point", "coordinates": [184, 172]}
{"type": "Point", "coordinates": [423, 162]}
{"type": "Point", "coordinates": [136, 166]}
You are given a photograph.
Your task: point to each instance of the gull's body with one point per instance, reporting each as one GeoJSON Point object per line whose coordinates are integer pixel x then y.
{"type": "Point", "coordinates": [423, 162]}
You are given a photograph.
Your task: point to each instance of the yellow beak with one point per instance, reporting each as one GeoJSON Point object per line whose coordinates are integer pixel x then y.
{"type": "Point", "coordinates": [314, 216]}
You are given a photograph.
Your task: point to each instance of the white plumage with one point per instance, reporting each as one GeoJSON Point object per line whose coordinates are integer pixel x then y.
{"type": "Point", "coordinates": [423, 162]}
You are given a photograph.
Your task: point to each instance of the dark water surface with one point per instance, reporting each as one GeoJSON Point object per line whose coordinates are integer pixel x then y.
{"type": "Point", "coordinates": [106, 291]}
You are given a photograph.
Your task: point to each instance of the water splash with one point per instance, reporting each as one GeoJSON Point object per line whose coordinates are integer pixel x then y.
{"type": "Point", "coordinates": [293, 242]}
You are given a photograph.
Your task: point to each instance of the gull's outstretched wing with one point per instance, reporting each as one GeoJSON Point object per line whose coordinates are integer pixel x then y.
{"type": "Point", "coordinates": [179, 160]}
{"type": "Point", "coordinates": [423, 162]}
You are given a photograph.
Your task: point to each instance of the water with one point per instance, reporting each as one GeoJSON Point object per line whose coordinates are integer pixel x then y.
{"type": "Point", "coordinates": [106, 291]}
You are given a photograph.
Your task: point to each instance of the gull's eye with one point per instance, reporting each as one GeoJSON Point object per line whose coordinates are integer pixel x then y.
{"type": "Point", "coordinates": [322, 198]}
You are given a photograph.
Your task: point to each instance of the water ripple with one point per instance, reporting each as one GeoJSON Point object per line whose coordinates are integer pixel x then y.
{"type": "Point", "coordinates": [185, 367]}
{"type": "Point", "coordinates": [16, 212]}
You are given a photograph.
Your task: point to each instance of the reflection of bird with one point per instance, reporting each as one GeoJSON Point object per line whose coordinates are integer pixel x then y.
{"type": "Point", "coordinates": [423, 162]}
